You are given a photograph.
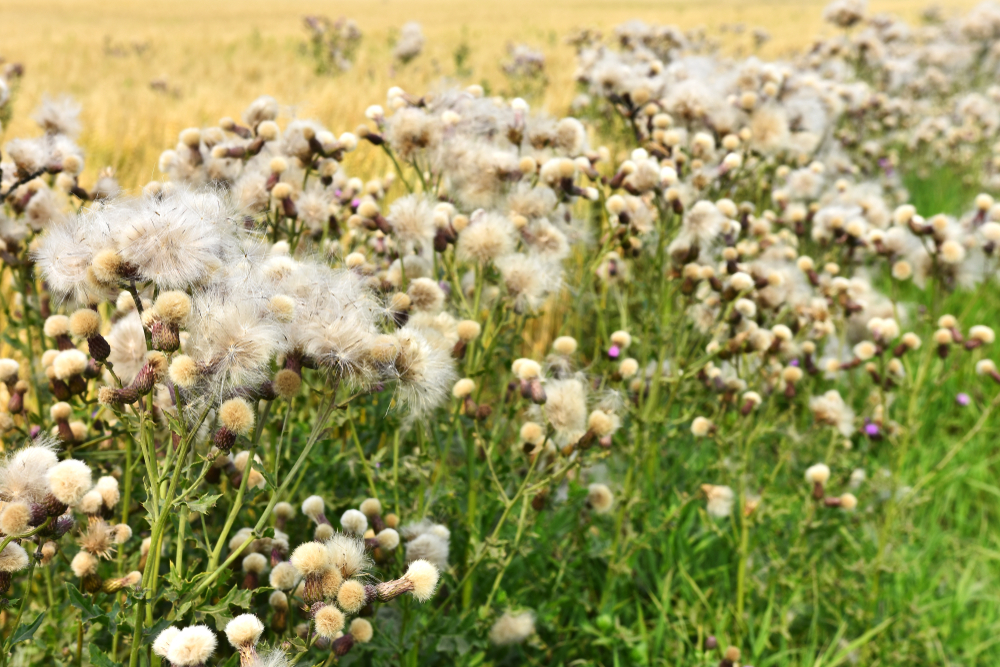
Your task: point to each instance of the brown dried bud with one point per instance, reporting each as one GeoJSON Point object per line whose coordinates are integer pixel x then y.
{"type": "Point", "coordinates": [99, 347]}
{"type": "Point", "coordinates": [224, 439]}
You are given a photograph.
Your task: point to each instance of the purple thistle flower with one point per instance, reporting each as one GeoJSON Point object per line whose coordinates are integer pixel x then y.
{"type": "Point", "coordinates": [963, 399]}
{"type": "Point", "coordinates": [614, 352]}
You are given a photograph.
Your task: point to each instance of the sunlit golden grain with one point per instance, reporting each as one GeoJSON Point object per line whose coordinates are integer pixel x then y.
{"type": "Point", "coordinates": [213, 58]}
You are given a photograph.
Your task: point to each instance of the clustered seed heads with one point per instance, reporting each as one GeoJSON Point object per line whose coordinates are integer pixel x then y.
{"type": "Point", "coordinates": [714, 259]}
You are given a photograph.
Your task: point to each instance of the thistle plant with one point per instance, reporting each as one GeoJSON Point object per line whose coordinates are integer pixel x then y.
{"type": "Point", "coordinates": [276, 409]}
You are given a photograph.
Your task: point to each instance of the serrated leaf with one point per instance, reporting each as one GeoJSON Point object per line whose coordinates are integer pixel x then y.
{"type": "Point", "coordinates": [80, 601]}
{"type": "Point", "coordinates": [112, 617]}
{"type": "Point", "coordinates": [220, 612]}
{"type": "Point", "coordinates": [267, 478]}
{"type": "Point", "coordinates": [236, 596]}
{"type": "Point", "coordinates": [203, 504]}
{"type": "Point", "coordinates": [26, 632]}
{"type": "Point", "coordinates": [99, 659]}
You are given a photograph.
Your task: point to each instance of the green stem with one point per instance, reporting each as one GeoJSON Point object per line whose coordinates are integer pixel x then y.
{"type": "Point", "coordinates": [361, 455]}
{"type": "Point", "coordinates": [318, 429]}
{"type": "Point", "coordinates": [238, 503]}
{"type": "Point", "coordinates": [20, 610]}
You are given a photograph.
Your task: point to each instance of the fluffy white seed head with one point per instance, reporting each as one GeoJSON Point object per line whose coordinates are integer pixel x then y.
{"type": "Point", "coordinates": [69, 363]}
{"type": "Point", "coordinates": [14, 558]}
{"type": "Point", "coordinates": [284, 576]}
{"type": "Point", "coordinates": [313, 507]}
{"type": "Point", "coordinates": [14, 518]}
{"type": "Point", "coordinates": [83, 564]}
{"type": "Point", "coordinates": [388, 539]}
{"type": "Point", "coordinates": [701, 427]}
{"type": "Point", "coordinates": [371, 507]}
{"type": "Point", "coordinates": [184, 371]}
{"type": "Point", "coordinates": [361, 630]}
{"type": "Point", "coordinates": [284, 510]}
{"type": "Point", "coordinates": [564, 345]}
{"type": "Point", "coordinates": [818, 474]}
{"type": "Point", "coordinates": [981, 333]}
{"type": "Point", "coordinates": [468, 330]}
{"type": "Point", "coordinates": [329, 622]}
{"type": "Point", "coordinates": [512, 628]}
{"type": "Point", "coordinates": [463, 388]}
{"type": "Point", "coordinates": [91, 503]}
{"type": "Point", "coordinates": [352, 596]}
{"type": "Point", "coordinates": [9, 369]}
{"type": "Point", "coordinates": [244, 630]}
{"type": "Point", "coordinates": [424, 578]}
{"type": "Point", "coordinates": [107, 486]}
{"type": "Point", "coordinates": [310, 558]}
{"type": "Point", "coordinates": [56, 325]}
{"type": "Point", "coordinates": [347, 553]}
{"type": "Point", "coordinates": [254, 563]}
{"type": "Point", "coordinates": [69, 480]}
{"type": "Point", "coordinates": [237, 416]}
{"type": "Point", "coordinates": [354, 522]}
{"type": "Point", "coordinates": [600, 498]}
{"type": "Point", "coordinates": [163, 640]}
{"type": "Point", "coordinates": [621, 338]}
{"type": "Point", "coordinates": [193, 645]}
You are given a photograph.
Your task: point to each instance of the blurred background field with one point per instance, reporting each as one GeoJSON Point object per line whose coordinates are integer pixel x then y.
{"type": "Point", "coordinates": [145, 70]}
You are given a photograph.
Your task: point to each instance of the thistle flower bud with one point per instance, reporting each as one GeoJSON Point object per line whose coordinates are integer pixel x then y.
{"type": "Point", "coordinates": [312, 560]}
{"type": "Point", "coordinates": [278, 601]}
{"type": "Point", "coordinates": [130, 580]}
{"type": "Point", "coordinates": [253, 565]}
{"type": "Point", "coordinates": [237, 419]}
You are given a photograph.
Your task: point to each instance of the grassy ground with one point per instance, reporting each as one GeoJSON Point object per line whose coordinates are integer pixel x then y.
{"type": "Point", "coordinates": [216, 57]}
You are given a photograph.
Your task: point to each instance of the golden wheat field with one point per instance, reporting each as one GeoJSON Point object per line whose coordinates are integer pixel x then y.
{"type": "Point", "coordinates": [583, 333]}
{"type": "Point", "coordinates": [214, 57]}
